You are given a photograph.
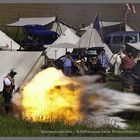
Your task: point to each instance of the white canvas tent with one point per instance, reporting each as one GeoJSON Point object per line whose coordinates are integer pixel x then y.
{"type": "Point", "coordinates": [91, 38]}
{"type": "Point", "coordinates": [26, 64]}
{"type": "Point", "coordinates": [102, 24]}
{"type": "Point", "coordinates": [127, 28]}
{"type": "Point", "coordinates": [60, 28]}
{"type": "Point", "coordinates": [135, 45]}
{"type": "Point", "coordinates": [105, 24]}
{"type": "Point", "coordinates": [33, 21]}
{"type": "Point", "coordinates": [134, 48]}
{"type": "Point", "coordinates": [63, 43]}
{"type": "Point", "coordinates": [6, 43]}
{"type": "Point", "coordinates": [57, 26]}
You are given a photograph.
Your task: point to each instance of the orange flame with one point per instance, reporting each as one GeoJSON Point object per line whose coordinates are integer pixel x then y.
{"type": "Point", "coordinates": [50, 96]}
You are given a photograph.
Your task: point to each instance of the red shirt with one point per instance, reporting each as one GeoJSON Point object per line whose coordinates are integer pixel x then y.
{"type": "Point", "coordinates": [127, 62]}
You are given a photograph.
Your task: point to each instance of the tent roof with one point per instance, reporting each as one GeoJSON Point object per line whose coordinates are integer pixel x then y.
{"type": "Point", "coordinates": [66, 40]}
{"type": "Point", "coordinates": [67, 37]}
{"type": "Point", "coordinates": [105, 24]}
{"type": "Point", "coordinates": [135, 45]}
{"type": "Point", "coordinates": [60, 27]}
{"type": "Point", "coordinates": [23, 63]}
{"type": "Point", "coordinates": [33, 21]}
{"type": "Point", "coordinates": [6, 43]}
{"type": "Point", "coordinates": [90, 38]}
{"type": "Point", "coordinates": [58, 50]}
{"type": "Point", "coordinates": [64, 45]}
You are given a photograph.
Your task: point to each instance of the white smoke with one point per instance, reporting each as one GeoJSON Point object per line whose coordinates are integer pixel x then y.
{"type": "Point", "coordinates": [109, 103]}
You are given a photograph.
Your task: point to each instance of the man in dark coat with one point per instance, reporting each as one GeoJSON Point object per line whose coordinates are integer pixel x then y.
{"type": "Point", "coordinates": [136, 76]}
{"type": "Point", "coordinates": [8, 88]}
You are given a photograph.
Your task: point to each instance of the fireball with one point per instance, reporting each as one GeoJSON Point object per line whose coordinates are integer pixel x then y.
{"type": "Point", "coordinates": [51, 96]}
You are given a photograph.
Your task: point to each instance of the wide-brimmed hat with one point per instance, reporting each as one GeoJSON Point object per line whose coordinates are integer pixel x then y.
{"type": "Point", "coordinates": [67, 53]}
{"type": "Point", "coordinates": [12, 72]}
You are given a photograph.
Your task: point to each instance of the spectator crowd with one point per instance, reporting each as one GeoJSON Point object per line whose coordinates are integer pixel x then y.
{"type": "Point", "coordinates": [126, 68]}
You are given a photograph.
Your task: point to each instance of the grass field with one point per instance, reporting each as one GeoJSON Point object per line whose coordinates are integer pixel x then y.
{"type": "Point", "coordinates": [10, 126]}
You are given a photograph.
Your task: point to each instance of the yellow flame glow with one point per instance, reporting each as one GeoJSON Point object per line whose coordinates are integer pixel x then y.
{"type": "Point", "coordinates": [50, 96]}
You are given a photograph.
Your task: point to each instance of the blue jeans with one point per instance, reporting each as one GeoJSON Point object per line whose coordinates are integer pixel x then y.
{"type": "Point", "coordinates": [68, 71]}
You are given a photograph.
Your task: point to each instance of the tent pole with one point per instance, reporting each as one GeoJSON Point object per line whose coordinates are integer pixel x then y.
{"type": "Point", "coordinates": [124, 20]}
{"type": "Point", "coordinates": [23, 30]}
{"type": "Point", "coordinates": [79, 43]}
{"type": "Point", "coordinates": [57, 24]}
{"type": "Point", "coordinates": [55, 54]}
{"type": "Point", "coordinates": [90, 35]}
{"type": "Point", "coordinates": [45, 57]}
{"type": "Point", "coordinates": [11, 45]}
{"type": "Point", "coordinates": [31, 69]}
{"type": "Point", "coordinates": [134, 25]}
{"type": "Point", "coordinates": [59, 27]}
{"type": "Point", "coordinates": [18, 14]}
{"type": "Point", "coordinates": [92, 29]}
{"type": "Point", "coordinates": [17, 33]}
{"type": "Point", "coordinates": [102, 37]}
{"type": "Point", "coordinates": [5, 28]}
{"type": "Point", "coordinates": [90, 38]}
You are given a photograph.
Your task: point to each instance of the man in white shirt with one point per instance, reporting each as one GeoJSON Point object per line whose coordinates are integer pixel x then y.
{"type": "Point", "coordinates": [8, 88]}
{"type": "Point", "coordinates": [117, 64]}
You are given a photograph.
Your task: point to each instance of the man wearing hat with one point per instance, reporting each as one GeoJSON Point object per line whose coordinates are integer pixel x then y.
{"type": "Point", "coordinates": [68, 64]}
{"type": "Point", "coordinates": [8, 88]}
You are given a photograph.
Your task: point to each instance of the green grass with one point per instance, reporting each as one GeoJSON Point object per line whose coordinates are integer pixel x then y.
{"type": "Point", "coordinates": [16, 127]}
{"type": "Point", "coordinates": [111, 83]}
